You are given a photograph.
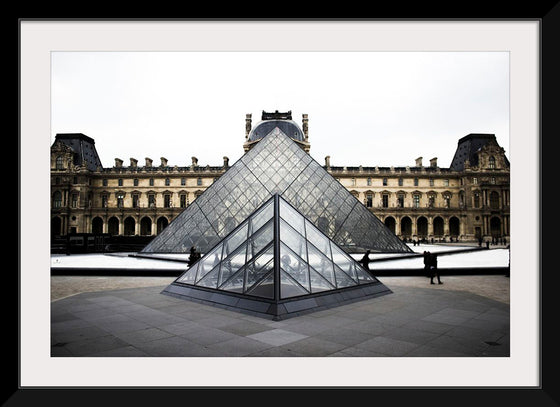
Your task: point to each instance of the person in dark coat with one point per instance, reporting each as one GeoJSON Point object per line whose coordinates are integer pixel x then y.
{"type": "Point", "coordinates": [434, 269]}
{"type": "Point", "coordinates": [193, 256]}
{"type": "Point", "coordinates": [427, 271]}
{"type": "Point", "coordinates": [365, 260]}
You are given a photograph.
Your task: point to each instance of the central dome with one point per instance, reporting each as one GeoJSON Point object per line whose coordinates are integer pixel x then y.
{"type": "Point", "coordinates": [288, 127]}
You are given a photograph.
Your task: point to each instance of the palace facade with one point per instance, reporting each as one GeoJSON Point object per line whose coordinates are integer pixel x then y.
{"type": "Point", "coordinates": [466, 201]}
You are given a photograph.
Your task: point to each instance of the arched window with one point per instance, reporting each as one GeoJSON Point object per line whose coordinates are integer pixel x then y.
{"type": "Point", "coordinates": [492, 162]}
{"type": "Point", "coordinates": [59, 163]}
{"type": "Point", "coordinates": [57, 200]}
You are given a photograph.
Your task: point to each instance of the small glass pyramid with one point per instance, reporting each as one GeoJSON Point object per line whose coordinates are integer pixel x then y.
{"type": "Point", "coordinates": [276, 263]}
{"type": "Point", "coordinates": [276, 165]}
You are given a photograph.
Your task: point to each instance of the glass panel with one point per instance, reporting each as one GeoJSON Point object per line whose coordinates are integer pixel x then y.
{"type": "Point", "coordinates": [254, 275]}
{"type": "Point", "coordinates": [265, 288]}
{"type": "Point", "coordinates": [260, 240]}
{"type": "Point", "coordinates": [264, 258]}
{"type": "Point", "coordinates": [233, 263]}
{"type": "Point", "coordinates": [190, 275]}
{"type": "Point", "coordinates": [288, 287]}
{"type": "Point", "coordinates": [293, 218]}
{"type": "Point", "coordinates": [321, 264]}
{"type": "Point", "coordinates": [363, 276]}
{"type": "Point", "coordinates": [293, 240]}
{"type": "Point", "coordinates": [263, 216]}
{"type": "Point", "coordinates": [235, 240]}
{"type": "Point", "coordinates": [342, 260]}
{"type": "Point", "coordinates": [318, 282]}
{"type": "Point", "coordinates": [318, 240]}
{"type": "Point", "coordinates": [210, 279]}
{"type": "Point", "coordinates": [208, 262]}
{"type": "Point", "coordinates": [342, 279]}
{"type": "Point", "coordinates": [294, 266]}
{"type": "Point", "coordinates": [235, 283]}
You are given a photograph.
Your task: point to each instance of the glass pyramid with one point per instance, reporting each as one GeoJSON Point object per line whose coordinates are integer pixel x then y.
{"type": "Point", "coordinates": [276, 263]}
{"type": "Point", "coordinates": [276, 165]}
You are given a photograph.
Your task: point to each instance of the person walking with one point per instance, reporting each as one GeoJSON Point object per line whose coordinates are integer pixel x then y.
{"type": "Point", "coordinates": [365, 260]}
{"type": "Point", "coordinates": [427, 272]}
{"type": "Point", "coordinates": [434, 269]}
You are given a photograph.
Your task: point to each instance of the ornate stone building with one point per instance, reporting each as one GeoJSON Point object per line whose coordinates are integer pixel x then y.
{"type": "Point", "coordinates": [465, 201]}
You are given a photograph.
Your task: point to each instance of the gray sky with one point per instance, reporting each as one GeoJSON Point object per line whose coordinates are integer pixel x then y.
{"type": "Point", "coordinates": [365, 108]}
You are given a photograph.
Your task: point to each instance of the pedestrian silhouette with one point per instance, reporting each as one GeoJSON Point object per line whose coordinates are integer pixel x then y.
{"type": "Point", "coordinates": [434, 269]}
{"type": "Point", "coordinates": [427, 263]}
{"type": "Point", "coordinates": [193, 256]}
{"type": "Point", "coordinates": [365, 260]}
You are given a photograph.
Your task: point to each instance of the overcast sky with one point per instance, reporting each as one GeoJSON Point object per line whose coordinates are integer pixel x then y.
{"type": "Point", "coordinates": [365, 108]}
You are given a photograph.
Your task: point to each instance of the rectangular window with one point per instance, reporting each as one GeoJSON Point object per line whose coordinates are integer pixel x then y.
{"type": "Point", "coordinates": [369, 200]}
{"type": "Point", "coordinates": [385, 199]}
{"type": "Point", "coordinates": [431, 182]}
{"type": "Point", "coordinates": [183, 201]}
{"type": "Point", "coordinates": [476, 200]}
{"type": "Point", "coordinates": [400, 201]}
{"type": "Point", "coordinates": [104, 203]}
{"type": "Point", "coordinates": [445, 182]}
{"type": "Point", "coordinates": [135, 182]}
{"type": "Point", "coordinates": [151, 182]}
{"type": "Point", "coordinates": [120, 201]}
{"type": "Point", "coordinates": [416, 201]}
{"type": "Point", "coordinates": [104, 182]}
{"type": "Point", "coordinates": [135, 201]}
{"type": "Point", "coordinates": [400, 182]}
{"type": "Point", "coordinates": [183, 181]}
{"type": "Point", "coordinates": [384, 182]}
{"type": "Point", "coordinates": [369, 182]}
{"type": "Point", "coordinates": [415, 182]}
{"type": "Point", "coordinates": [74, 200]}
{"type": "Point", "coordinates": [199, 181]}
{"type": "Point", "coordinates": [353, 180]}
{"type": "Point", "coordinates": [475, 180]}
{"type": "Point", "coordinates": [120, 182]}
{"type": "Point", "coordinates": [167, 182]}
{"type": "Point", "coordinates": [167, 201]}
{"type": "Point", "coordinates": [151, 201]}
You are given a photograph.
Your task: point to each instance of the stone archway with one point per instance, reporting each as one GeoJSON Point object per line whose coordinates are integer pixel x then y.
{"type": "Point", "coordinates": [129, 226]}
{"type": "Point", "coordinates": [146, 226]}
{"type": "Point", "coordinates": [97, 226]}
{"type": "Point", "coordinates": [56, 226]}
{"type": "Point", "coordinates": [495, 226]}
{"type": "Point", "coordinates": [113, 225]}
{"type": "Point", "coordinates": [406, 227]}
{"type": "Point", "coordinates": [390, 223]}
{"type": "Point", "coordinates": [454, 226]}
{"type": "Point", "coordinates": [422, 227]}
{"type": "Point", "coordinates": [438, 226]}
{"type": "Point", "coordinates": [162, 223]}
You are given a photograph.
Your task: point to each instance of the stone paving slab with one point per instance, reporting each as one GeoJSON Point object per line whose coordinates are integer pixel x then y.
{"type": "Point", "coordinates": [412, 321]}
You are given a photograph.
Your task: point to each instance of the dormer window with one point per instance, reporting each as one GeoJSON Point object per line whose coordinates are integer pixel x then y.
{"type": "Point", "coordinates": [59, 163]}
{"type": "Point", "coordinates": [492, 163]}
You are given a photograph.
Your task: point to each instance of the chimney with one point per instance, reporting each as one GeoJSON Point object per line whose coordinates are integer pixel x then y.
{"type": "Point", "coordinates": [118, 162]}
{"type": "Point", "coordinates": [148, 162]}
{"type": "Point", "coordinates": [247, 125]}
{"type": "Point", "coordinates": [419, 162]}
{"type": "Point", "coordinates": [133, 162]}
{"type": "Point", "coordinates": [328, 161]}
{"type": "Point", "coordinates": [305, 122]}
{"type": "Point", "coordinates": [226, 162]}
{"type": "Point", "coordinates": [433, 162]}
{"type": "Point", "coordinates": [163, 161]}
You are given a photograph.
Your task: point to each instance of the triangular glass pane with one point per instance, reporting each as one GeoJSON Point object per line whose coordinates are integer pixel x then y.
{"type": "Point", "coordinates": [260, 240]}
{"type": "Point", "coordinates": [289, 287]}
{"type": "Point", "coordinates": [318, 283]}
{"type": "Point", "coordinates": [321, 264]}
{"type": "Point", "coordinates": [264, 258]}
{"type": "Point", "coordinates": [189, 276]}
{"type": "Point", "coordinates": [233, 241]}
{"type": "Point", "coordinates": [233, 263]}
{"type": "Point", "coordinates": [293, 240]}
{"type": "Point", "coordinates": [264, 288]}
{"type": "Point", "coordinates": [261, 217]}
{"type": "Point", "coordinates": [363, 276]}
{"type": "Point", "coordinates": [235, 282]}
{"type": "Point", "coordinates": [210, 279]}
{"type": "Point", "coordinates": [209, 261]}
{"type": "Point", "coordinates": [294, 266]}
{"type": "Point", "coordinates": [317, 239]}
{"type": "Point", "coordinates": [342, 279]}
{"type": "Point", "coordinates": [253, 275]}
{"type": "Point", "coordinates": [344, 261]}
{"type": "Point", "coordinates": [291, 217]}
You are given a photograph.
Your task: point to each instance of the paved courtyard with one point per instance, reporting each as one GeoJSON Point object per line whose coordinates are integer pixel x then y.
{"type": "Point", "coordinates": [117, 317]}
